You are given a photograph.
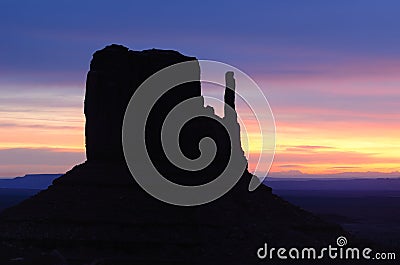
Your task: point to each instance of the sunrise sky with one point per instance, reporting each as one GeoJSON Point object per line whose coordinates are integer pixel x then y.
{"type": "Point", "coordinates": [329, 69]}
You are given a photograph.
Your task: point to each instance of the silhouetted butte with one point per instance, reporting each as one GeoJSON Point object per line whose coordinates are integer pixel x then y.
{"type": "Point", "coordinates": [97, 211]}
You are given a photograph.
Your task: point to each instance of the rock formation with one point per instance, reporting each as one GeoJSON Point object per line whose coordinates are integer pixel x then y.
{"type": "Point", "coordinates": [96, 211]}
{"type": "Point", "coordinates": [115, 73]}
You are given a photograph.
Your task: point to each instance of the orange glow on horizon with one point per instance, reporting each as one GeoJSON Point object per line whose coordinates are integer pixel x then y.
{"type": "Point", "coordinates": [330, 147]}
{"type": "Point", "coordinates": [311, 137]}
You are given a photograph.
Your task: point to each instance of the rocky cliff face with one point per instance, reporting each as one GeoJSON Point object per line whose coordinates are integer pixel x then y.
{"type": "Point", "coordinates": [115, 74]}
{"type": "Point", "coordinates": [96, 211]}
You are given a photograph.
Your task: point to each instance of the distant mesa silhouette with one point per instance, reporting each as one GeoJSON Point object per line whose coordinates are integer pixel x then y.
{"type": "Point", "coordinates": [96, 211]}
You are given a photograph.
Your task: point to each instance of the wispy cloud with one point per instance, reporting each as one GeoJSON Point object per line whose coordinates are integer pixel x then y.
{"type": "Point", "coordinates": [333, 87]}
{"type": "Point", "coordinates": [290, 166]}
{"type": "Point", "coordinates": [20, 161]}
{"type": "Point", "coordinates": [302, 148]}
{"type": "Point", "coordinates": [40, 126]}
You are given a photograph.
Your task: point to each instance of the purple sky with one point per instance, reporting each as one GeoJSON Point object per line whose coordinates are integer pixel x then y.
{"type": "Point", "coordinates": [323, 65]}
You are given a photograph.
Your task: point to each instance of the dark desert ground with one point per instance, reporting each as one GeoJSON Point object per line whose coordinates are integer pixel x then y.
{"type": "Point", "coordinates": [368, 208]}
